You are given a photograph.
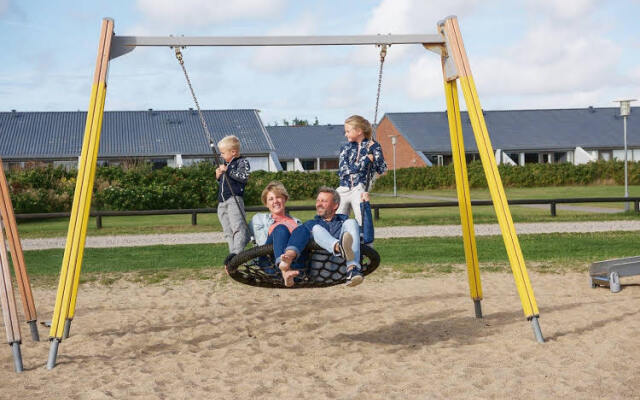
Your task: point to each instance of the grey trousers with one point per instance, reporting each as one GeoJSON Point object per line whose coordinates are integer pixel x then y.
{"type": "Point", "coordinates": [233, 225]}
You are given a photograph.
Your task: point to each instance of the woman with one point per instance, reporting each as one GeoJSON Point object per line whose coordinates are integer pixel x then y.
{"type": "Point", "coordinates": [275, 227]}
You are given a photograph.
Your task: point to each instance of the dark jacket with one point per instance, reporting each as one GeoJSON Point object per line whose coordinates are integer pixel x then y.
{"type": "Point", "coordinates": [334, 226]}
{"type": "Point", "coordinates": [236, 176]}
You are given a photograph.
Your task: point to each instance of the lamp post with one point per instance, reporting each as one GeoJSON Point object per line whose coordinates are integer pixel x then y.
{"type": "Point", "coordinates": [625, 110]}
{"type": "Point", "coordinates": [393, 143]}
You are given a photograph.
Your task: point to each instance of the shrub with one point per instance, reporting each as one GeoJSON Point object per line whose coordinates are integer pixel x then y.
{"type": "Point", "coordinates": [139, 187]}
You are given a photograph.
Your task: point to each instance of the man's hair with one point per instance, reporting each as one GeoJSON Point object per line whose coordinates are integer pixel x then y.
{"type": "Point", "coordinates": [358, 122]}
{"type": "Point", "coordinates": [334, 193]}
{"type": "Point", "coordinates": [230, 142]}
{"type": "Point", "coordinates": [277, 188]}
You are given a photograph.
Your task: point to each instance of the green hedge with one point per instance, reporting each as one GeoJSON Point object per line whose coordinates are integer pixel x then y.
{"type": "Point", "coordinates": [142, 188]}
{"type": "Point", "coordinates": [530, 175]}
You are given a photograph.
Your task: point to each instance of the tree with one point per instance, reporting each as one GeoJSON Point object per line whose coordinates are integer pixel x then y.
{"type": "Point", "coordinates": [299, 122]}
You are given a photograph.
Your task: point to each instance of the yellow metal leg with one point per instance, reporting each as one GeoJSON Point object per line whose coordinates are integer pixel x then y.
{"type": "Point", "coordinates": [72, 260]}
{"type": "Point", "coordinates": [464, 198]}
{"type": "Point", "coordinates": [456, 50]}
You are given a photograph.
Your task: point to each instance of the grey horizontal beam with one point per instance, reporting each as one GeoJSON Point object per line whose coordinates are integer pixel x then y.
{"type": "Point", "coordinates": [124, 44]}
{"type": "Point", "coordinates": [275, 40]}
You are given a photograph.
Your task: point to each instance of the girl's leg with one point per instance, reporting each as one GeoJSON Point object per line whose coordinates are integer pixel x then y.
{"type": "Point", "coordinates": [350, 199]}
{"type": "Point", "coordinates": [345, 200]}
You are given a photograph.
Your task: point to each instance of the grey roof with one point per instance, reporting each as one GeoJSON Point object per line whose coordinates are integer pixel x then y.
{"type": "Point", "coordinates": [514, 130]}
{"type": "Point", "coordinates": [128, 133]}
{"type": "Point", "coordinates": [315, 141]}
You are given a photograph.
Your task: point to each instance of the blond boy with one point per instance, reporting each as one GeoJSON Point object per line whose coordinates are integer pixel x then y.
{"type": "Point", "coordinates": [232, 176]}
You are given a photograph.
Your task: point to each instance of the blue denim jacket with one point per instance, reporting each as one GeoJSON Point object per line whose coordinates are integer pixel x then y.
{"type": "Point", "coordinates": [334, 226]}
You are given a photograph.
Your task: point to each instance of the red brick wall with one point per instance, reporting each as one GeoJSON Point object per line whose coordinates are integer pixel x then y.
{"type": "Point", "coordinates": [406, 156]}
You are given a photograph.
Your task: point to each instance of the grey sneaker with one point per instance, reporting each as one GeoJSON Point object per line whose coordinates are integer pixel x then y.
{"type": "Point", "coordinates": [345, 244]}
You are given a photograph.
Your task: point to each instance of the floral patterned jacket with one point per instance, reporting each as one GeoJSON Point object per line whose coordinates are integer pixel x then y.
{"type": "Point", "coordinates": [354, 166]}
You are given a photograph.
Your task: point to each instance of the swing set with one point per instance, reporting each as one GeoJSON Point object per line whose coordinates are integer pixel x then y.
{"type": "Point", "coordinates": [455, 67]}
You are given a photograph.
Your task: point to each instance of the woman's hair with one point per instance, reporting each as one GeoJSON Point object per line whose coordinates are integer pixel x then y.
{"type": "Point", "coordinates": [277, 188]}
{"type": "Point", "coordinates": [230, 142]}
{"type": "Point", "coordinates": [334, 193]}
{"type": "Point", "coordinates": [358, 122]}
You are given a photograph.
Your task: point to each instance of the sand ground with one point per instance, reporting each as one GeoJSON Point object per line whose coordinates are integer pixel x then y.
{"type": "Point", "coordinates": [390, 338]}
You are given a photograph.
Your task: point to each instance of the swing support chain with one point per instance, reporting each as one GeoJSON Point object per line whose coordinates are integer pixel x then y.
{"type": "Point", "coordinates": [383, 54]}
{"type": "Point", "coordinates": [374, 126]}
{"type": "Point", "coordinates": [212, 145]}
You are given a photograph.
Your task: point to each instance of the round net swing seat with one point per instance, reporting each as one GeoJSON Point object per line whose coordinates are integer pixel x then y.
{"type": "Point", "coordinates": [256, 267]}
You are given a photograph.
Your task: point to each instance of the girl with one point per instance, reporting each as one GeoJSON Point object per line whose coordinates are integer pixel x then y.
{"type": "Point", "coordinates": [360, 158]}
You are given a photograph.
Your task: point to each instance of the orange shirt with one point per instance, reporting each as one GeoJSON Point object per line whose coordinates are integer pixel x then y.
{"type": "Point", "coordinates": [285, 220]}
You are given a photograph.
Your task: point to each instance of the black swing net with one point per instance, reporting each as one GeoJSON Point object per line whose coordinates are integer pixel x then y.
{"type": "Point", "coordinates": [256, 266]}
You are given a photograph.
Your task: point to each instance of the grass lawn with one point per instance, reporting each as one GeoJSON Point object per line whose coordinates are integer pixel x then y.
{"type": "Point", "coordinates": [548, 253]}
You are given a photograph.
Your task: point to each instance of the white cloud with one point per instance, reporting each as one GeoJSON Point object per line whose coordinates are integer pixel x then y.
{"type": "Point", "coordinates": [408, 17]}
{"type": "Point", "coordinates": [553, 65]}
{"type": "Point", "coordinates": [415, 16]}
{"type": "Point", "coordinates": [425, 79]}
{"type": "Point", "coordinates": [551, 60]}
{"type": "Point", "coordinates": [204, 12]}
{"type": "Point", "coordinates": [4, 6]}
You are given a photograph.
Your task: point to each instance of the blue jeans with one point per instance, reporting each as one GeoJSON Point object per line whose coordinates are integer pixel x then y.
{"type": "Point", "coordinates": [324, 239]}
{"type": "Point", "coordinates": [283, 240]}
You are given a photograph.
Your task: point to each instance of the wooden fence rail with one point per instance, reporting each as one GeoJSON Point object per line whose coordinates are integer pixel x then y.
{"type": "Point", "coordinates": [376, 208]}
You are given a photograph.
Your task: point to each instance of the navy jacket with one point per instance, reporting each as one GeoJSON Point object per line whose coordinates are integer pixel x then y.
{"type": "Point", "coordinates": [237, 175]}
{"type": "Point", "coordinates": [334, 226]}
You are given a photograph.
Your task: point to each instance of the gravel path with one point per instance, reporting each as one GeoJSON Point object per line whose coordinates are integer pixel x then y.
{"type": "Point", "coordinates": [559, 207]}
{"type": "Point", "coordinates": [381, 233]}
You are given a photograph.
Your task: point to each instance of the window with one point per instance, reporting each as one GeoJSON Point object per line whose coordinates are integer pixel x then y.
{"type": "Point", "coordinates": [530, 158]}
{"type": "Point", "coordinates": [308, 165]}
{"type": "Point", "coordinates": [328, 164]}
{"type": "Point", "coordinates": [158, 163]}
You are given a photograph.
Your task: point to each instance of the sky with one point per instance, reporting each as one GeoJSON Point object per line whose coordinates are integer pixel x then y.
{"type": "Point", "coordinates": [524, 54]}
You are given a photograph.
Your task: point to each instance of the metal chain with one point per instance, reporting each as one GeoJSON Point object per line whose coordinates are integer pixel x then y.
{"type": "Point", "coordinates": [195, 100]}
{"type": "Point", "coordinates": [383, 54]}
{"type": "Point", "coordinates": [210, 140]}
{"type": "Point", "coordinates": [374, 126]}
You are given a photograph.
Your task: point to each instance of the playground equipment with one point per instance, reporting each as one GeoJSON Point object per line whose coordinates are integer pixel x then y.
{"type": "Point", "coordinates": [256, 267]}
{"type": "Point", "coordinates": [455, 67]}
{"type": "Point", "coordinates": [609, 272]}
{"type": "Point", "coordinates": [7, 298]}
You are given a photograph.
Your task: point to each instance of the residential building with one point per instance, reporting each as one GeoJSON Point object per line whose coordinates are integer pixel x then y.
{"type": "Point", "coordinates": [308, 148]}
{"type": "Point", "coordinates": [517, 136]}
{"type": "Point", "coordinates": [165, 138]}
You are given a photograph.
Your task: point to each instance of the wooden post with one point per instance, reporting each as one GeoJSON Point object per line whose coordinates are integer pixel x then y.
{"type": "Point", "coordinates": [8, 304]}
{"type": "Point", "coordinates": [17, 256]}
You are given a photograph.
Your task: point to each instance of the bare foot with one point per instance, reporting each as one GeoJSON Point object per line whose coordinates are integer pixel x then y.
{"type": "Point", "coordinates": [288, 276]}
{"type": "Point", "coordinates": [285, 267]}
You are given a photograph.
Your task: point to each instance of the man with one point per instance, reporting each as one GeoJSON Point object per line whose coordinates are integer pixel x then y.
{"type": "Point", "coordinates": [335, 233]}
